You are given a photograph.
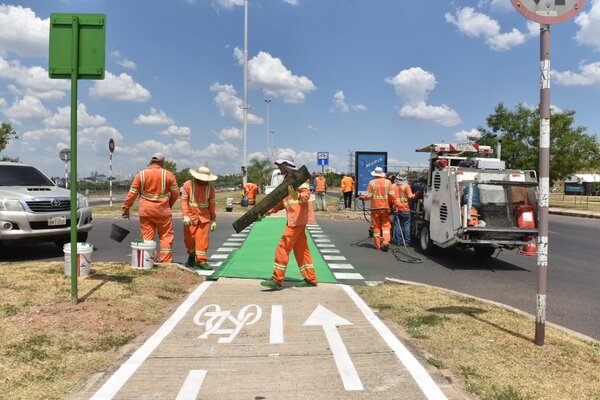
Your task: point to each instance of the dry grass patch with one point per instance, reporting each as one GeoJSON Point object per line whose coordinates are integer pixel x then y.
{"type": "Point", "coordinates": [49, 346]}
{"type": "Point", "coordinates": [490, 347]}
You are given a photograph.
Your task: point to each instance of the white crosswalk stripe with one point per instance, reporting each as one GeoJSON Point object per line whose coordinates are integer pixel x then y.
{"type": "Point", "coordinates": [348, 275]}
{"type": "Point", "coordinates": [340, 266]}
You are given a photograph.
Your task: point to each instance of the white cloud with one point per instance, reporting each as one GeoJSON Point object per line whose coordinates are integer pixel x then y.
{"type": "Point", "coordinates": [28, 107]}
{"type": "Point", "coordinates": [31, 138]}
{"type": "Point", "coordinates": [441, 115]}
{"type": "Point", "coordinates": [340, 105]}
{"type": "Point", "coordinates": [2, 102]}
{"type": "Point", "coordinates": [125, 63]}
{"type": "Point", "coordinates": [32, 81]}
{"type": "Point", "coordinates": [229, 104]}
{"type": "Point", "coordinates": [497, 5]}
{"type": "Point", "coordinates": [312, 127]}
{"type": "Point", "coordinates": [22, 32]}
{"type": "Point", "coordinates": [179, 131]}
{"type": "Point", "coordinates": [589, 22]}
{"type": "Point", "coordinates": [474, 24]}
{"type": "Point", "coordinates": [412, 86]}
{"type": "Point", "coordinates": [156, 117]}
{"type": "Point", "coordinates": [269, 74]}
{"type": "Point", "coordinates": [292, 2]}
{"type": "Point", "coordinates": [226, 4]}
{"type": "Point", "coordinates": [62, 119]}
{"type": "Point", "coordinates": [119, 87]}
{"type": "Point", "coordinates": [229, 133]}
{"type": "Point", "coordinates": [463, 136]}
{"type": "Point", "coordinates": [588, 75]}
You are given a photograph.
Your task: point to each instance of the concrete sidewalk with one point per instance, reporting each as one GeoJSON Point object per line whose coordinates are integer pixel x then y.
{"type": "Point", "coordinates": [231, 339]}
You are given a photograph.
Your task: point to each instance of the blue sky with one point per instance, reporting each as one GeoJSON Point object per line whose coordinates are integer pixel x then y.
{"type": "Point", "coordinates": [343, 76]}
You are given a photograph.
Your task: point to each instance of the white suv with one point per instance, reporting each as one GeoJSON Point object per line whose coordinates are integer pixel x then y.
{"type": "Point", "coordinates": [32, 207]}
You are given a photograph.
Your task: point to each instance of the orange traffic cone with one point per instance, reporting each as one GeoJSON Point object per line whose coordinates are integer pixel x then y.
{"type": "Point", "coordinates": [529, 249]}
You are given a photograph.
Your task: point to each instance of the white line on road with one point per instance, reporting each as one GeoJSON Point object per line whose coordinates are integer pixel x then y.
{"type": "Point", "coordinates": [237, 239]}
{"type": "Point", "coordinates": [226, 249]}
{"type": "Point", "coordinates": [219, 256]}
{"type": "Point", "coordinates": [340, 266]}
{"type": "Point", "coordinates": [319, 245]}
{"type": "Point", "coordinates": [329, 250]}
{"type": "Point", "coordinates": [276, 324]}
{"type": "Point", "coordinates": [191, 386]}
{"type": "Point", "coordinates": [347, 275]}
{"type": "Point", "coordinates": [119, 378]}
{"type": "Point", "coordinates": [239, 235]}
{"type": "Point", "coordinates": [235, 244]}
{"type": "Point", "coordinates": [334, 258]}
{"type": "Point", "coordinates": [419, 374]}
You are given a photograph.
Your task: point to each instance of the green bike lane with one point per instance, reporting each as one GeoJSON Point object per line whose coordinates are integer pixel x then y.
{"type": "Point", "coordinates": [232, 339]}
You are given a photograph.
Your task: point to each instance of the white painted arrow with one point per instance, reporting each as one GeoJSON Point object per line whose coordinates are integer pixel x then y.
{"type": "Point", "coordinates": [330, 321]}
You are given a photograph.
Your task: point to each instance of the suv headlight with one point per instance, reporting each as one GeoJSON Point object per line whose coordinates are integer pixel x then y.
{"type": "Point", "coordinates": [82, 201]}
{"type": "Point", "coordinates": [10, 205]}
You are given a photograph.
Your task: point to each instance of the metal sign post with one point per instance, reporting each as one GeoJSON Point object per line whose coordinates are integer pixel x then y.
{"type": "Point", "coordinates": [111, 149]}
{"type": "Point", "coordinates": [545, 12]}
{"type": "Point", "coordinates": [77, 51]}
{"type": "Point", "coordinates": [65, 156]}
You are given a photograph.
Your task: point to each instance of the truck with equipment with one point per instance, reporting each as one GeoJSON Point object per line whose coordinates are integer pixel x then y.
{"type": "Point", "coordinates": [475, 202]}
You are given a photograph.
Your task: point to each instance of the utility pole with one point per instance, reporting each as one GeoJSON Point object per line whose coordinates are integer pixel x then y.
{"type": "Point", "coordinates": [268, 101]}
{"type": "Point", "coordinates": [245, 161]}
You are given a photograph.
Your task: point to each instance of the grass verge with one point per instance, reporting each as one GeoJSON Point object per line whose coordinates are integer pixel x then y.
{"type": "Point", "coordinates": [49, 346]}
{"type": "Point", "coordinates": [489, 347]}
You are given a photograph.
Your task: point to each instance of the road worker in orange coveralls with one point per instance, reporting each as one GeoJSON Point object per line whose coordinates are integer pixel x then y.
{"type": "Point", "coordinates": [199, 215]}
{"type": "Point", "coordinates": [381, 194]}
{"type": "Point", "coordinates": [250, 191]}
{"type": "Point", "coordinates": [300, 212]}
{"type": "Point", "coordinates": [158, 191]}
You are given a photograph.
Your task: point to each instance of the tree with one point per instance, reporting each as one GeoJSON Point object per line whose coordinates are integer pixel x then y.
{"type": "Point", "coordinates": [7, 133]}
{"type": "Point", "coordinates": [259, 171]}
{"type": "Point", "coordinates": [571, 149]}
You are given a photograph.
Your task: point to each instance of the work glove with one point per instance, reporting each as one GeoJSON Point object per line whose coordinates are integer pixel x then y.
{"type": "Point", "coordinates": [213, 226]}
{"type": "Point", "coordinates": [292, 192]}
{"type": "Point", "coordinates": [187, 221]}
{"type": "Point", "coordinates": [125, 213]}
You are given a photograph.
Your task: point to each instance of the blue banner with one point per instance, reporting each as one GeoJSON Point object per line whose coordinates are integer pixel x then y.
{"type": "Point", "coordinates": [366, 162]}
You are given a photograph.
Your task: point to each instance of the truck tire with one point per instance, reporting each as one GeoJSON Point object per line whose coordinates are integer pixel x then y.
{"type": "Point", "coordinates": [484, 251]}
{"type": "Point", "coordinates": [425, 243]}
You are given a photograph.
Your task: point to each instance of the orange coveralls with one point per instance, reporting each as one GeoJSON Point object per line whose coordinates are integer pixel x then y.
{"type": "Point", "coordinates": [299, 213]}
{"type": "Point", "coordinates": [250, 191]}
{"type": "Point", "coordinates": [158, 192]}
{"type": "Point", "coordinates": [198, 203]}
{"type": "Point", "coordinates": [381, 194]}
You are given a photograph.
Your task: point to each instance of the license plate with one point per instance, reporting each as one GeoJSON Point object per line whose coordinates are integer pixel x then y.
{"type": "Point", "coordinates": [56, 221]}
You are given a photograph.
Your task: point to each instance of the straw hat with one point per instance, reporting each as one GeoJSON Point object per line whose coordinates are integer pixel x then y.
{"type": "Point", "coordinates": [286, 157]}
{"type": "Point", "coordinates": [203, 174]}
{"type": "Point", "coordinates": [378, 172]}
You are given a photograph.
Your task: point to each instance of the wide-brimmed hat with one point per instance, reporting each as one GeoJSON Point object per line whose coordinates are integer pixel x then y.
{"type": "Point", "coordinates": [203, 174]}
{"type": "Point", "coordinates": [378, 171]}
{"type": "Point", "coordinates": [285, 157]}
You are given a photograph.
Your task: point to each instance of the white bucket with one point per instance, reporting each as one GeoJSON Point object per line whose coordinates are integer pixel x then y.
{"type": "Point", "coordinates": [142, 254]}
{"type": "Point", "coordinates": [84, 258]}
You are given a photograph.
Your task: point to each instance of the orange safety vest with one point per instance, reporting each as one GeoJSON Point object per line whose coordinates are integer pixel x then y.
{"type": "Point", "coordinates": [320, 184]}
{"type": "Point", "coordinates": [198, 201]}
{"type": "Point", "coordinates": [299, 212]}
{"type": "Point", "coordinates": [381, 193]}
{"type": "Point", "coordinates": [402, 192]}
{"type": "Point", "coordinates": [347, 184]}
{"type": "Point", "coordinates": [157, 189]}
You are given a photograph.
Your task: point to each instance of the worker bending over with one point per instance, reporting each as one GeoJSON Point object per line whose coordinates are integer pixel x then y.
{"type": "Point", "coordinates": [250, 192]}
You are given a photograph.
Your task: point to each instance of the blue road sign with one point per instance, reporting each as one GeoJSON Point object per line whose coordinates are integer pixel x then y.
{"type": "Point", "coordinates": [323, 158]}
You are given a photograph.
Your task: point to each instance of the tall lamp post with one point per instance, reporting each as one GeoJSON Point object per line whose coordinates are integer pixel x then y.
{"type": "Point", "coordinates": [111, 149]}
{"type": "Point", "coordinates": [245, 166]}
{"type": "Point", "coordinates": [273, 147]}
{"type": "Point", "coordinates": [268, 101]}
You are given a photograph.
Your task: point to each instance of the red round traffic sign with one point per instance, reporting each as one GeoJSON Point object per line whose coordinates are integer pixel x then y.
{"type": "Point", "coordinates": [111, 145]}
{"type": "Point", "coordinates": [548, 11]}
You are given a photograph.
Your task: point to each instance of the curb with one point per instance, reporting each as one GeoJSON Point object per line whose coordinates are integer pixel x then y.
{"type": "Point", "coordinates": [574, 213]}
{"type": "Point", "coordinates": [505, 306]}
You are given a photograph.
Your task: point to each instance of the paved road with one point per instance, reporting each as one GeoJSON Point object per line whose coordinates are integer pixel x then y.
{"type": "Point", "coordinates": [509, 278]}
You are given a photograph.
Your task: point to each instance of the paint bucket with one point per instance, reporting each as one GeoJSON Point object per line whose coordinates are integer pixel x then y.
{"type": "Point", "coordinates": [142, 254]}
{"type": "Point", "coordinates": [84, 258]}
{"type": "Point", "coordinates": [118, 233]}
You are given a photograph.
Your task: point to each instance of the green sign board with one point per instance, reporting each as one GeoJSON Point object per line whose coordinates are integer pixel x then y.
{"type": "Point", "coordinates": [89, 34]}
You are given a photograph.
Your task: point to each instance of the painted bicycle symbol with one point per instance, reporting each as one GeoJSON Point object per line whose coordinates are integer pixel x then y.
{"type": "Point", "coordinates": [212, 318]}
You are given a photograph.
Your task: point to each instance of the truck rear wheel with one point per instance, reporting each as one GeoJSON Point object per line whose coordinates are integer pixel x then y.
{"type": "Point", "coordinates": [425, 243]}
{"type": "Point", "coordinates": [484, 251]}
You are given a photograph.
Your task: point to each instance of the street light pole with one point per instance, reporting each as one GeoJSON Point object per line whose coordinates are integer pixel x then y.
{"type": "Point", "coordinates": [268, 101]}
{"type": "Point", "coordinates": [272, 143]}
{"type": "Point", "coordinates": [245, 166]}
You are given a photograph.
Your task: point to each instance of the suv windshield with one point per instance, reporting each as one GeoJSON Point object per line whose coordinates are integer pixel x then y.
{"type": "Point", "coordinates": [17, 175]}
